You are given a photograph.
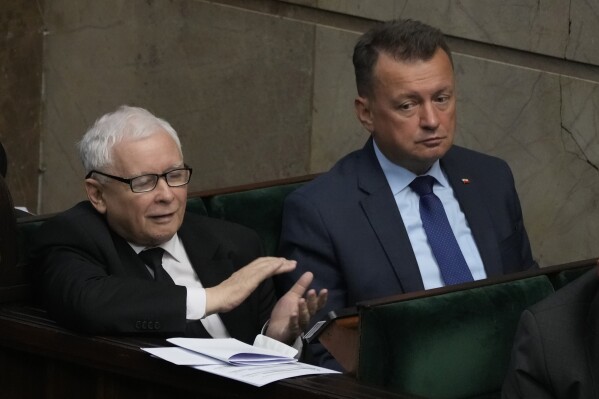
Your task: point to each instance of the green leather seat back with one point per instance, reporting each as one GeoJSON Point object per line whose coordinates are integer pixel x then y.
{"type": "Point", "coordinates": [453, 345]}
{"type": "Point", "coordinates": [25, 231]}
{"type": "Point", "coordinates": [259, 209]}
{"type": "Point", "coordinates": [196, 205]}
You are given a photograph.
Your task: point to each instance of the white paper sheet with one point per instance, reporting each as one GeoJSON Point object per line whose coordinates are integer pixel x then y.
{"type": "Point", "coordinates": [182, 357]}
{"type": "Point", "coordinates": [232, 351]}
{"type": "Point", "coordinates": [262, 375]}
{"type": "Point", "coordinates": [266, 366]}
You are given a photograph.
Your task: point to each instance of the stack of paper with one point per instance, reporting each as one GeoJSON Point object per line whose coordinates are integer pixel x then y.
{"type": "Point", "coordinates": [234, 359]}
{"type": "Point", "coordinates": [232, 351]}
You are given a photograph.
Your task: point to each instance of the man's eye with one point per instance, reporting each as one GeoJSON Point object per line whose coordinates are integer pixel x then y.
{"type": "Point", "coordinates": [407, 106]}
{"type": "Point", "coordinates": [143, 180]}
{"type": "Point", "coordinates": [176, 174]}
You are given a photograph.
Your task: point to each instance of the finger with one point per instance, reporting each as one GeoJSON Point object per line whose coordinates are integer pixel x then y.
{"type": "Point", "coordinates": [266, 262]}
{"type": "Point", "coordinates": [304, 314]}
{"type": "Point", "coordinates": [273, 265]}
{"type": "Point", "coordinates": [284, 267]}
{"type": "Point", "coordinates": [323, 296]}
{"type": "Point", "coordinates": [312, 301]}
{"type": "Point", "coordinates": [302, 284]}
{"type": "Point", "coordinates": [293, 327]}
{"type": "Point", "coordinates": [262, 268]}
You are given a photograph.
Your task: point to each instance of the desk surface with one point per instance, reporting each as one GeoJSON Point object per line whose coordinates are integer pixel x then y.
{"type": "Point", "coordinates": [45, 360]}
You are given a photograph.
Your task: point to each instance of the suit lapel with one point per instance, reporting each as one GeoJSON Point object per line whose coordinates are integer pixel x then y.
{"type": "Point", "coordinates": [128, 257]}
{"type": "Point", "coordinates": [475, 210]}
{"type": "Point", "coordinates": [381, 210]}
{"type": "Point", "coordinates": [209, 259]}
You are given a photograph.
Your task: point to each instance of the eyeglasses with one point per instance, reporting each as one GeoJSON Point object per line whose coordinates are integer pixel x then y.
{"type": "Point", "coordinates": [144, 183]}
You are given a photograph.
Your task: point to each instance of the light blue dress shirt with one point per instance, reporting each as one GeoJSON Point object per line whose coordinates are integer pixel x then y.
{"type": "Point", "coordinates": [408, 203]}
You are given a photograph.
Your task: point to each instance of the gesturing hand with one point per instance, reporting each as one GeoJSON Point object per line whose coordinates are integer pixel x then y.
{"type": "Point", "coordinates": [292, 313]}
{"type": "Point", "coordinates": [233, 291]}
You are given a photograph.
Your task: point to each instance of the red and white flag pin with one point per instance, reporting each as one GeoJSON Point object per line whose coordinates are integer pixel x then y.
{"type": "Point", "coordinates": [466, 181]}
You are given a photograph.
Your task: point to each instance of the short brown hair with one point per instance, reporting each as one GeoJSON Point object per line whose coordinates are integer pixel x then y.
{"type": "Point", "coordinates": [403, 39]}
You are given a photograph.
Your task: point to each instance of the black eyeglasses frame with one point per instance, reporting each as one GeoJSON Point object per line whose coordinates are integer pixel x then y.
{"type": "Point", "coordinates": [158, 176]}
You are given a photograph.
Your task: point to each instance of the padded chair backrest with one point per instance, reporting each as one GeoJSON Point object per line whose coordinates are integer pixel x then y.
{"type": "Point", "coordinates": [8, 230]}
{"type": "Point", "coordinates": [453, 345]}
{"type": "Point", "coordinates": [26, 230]}
{"type": "Point", "coordinates": [3, 161]}
{"type": "Point", "coordinates": [196, 205]}
{"type": "Point", "coordinates": [259, 209]}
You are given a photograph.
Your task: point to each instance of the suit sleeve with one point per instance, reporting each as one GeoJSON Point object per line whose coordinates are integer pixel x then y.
{"type": "Point", "coordinates": [306, 239]}
{"type": "Point", "coordinates": [527, 374]}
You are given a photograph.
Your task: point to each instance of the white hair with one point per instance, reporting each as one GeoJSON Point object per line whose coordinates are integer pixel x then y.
{"type": "Point", "coordinates": [95, 148]}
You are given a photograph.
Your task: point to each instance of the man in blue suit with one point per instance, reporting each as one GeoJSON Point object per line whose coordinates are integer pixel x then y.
{"type": "Point", "coordinates": [359, 227]}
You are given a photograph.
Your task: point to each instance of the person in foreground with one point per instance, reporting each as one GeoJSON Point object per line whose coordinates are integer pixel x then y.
{"type": "Point", "coordinates": [131, 260]}
{"type": "Point", "coordinates": [556, 349]}
{"type": "Point", "coordinates": [410, 210]}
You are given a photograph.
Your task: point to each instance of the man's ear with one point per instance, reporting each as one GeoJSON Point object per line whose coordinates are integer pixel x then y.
{"type": "Point", "coordinates": [95, 194]}
{"type": "Point", "coordinates": [362, 107]}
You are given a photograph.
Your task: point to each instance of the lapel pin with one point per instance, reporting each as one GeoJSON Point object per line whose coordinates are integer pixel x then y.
{"type": "Point", "coordinates": [466, 181]}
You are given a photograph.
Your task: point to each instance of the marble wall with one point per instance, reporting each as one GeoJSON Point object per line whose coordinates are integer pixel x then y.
{"type": "Point", "coordinates": [235, 85]}
{"type": "Point", "coordinates": [263, 89]}
{"type": "Point", "coordinates": [21, 36]}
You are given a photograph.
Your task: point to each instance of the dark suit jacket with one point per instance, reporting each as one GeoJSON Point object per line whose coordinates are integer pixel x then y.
{"type": "Point", "coordinates": [556, 349]}
{"type": "Point", "coordinates": [91, 279]}
{"type": "Point", "coordinates": [345, 226]}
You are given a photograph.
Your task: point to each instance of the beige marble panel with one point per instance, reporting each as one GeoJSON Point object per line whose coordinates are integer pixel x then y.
{"type": "Point", "coordinates": [335, 129]}
{"type": "Point", "coordinates": [545, 127]}
{"type": "Point", "coordinates": [531, 25]}
{"type": "Point", "coordinates": [536, 26]}
{"type": "Point", "coordinates": [236, 85]}
{"type": "Point", "coordinates": [583, 45]}
{"type": "Point", "coordinates": [375, 9]}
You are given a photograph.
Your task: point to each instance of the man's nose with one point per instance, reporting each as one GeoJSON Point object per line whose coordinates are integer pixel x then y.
{"type": "Point", "coordinates": [429, 117]}
{"type": "Point", "coordinates": [164, 192]}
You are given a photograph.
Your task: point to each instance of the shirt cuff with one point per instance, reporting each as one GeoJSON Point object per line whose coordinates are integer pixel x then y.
{"type": "Point", "coordinates": [196, 303]}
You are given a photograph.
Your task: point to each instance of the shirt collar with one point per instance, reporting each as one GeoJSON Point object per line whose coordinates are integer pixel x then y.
{"type": "Point", "coordinates": [399, 177]}
{"type": "Point", "coordinates": [171, 246]}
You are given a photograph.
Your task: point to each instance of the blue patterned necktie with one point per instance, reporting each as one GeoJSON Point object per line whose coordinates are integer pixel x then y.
{"type": "Point", "coordinates": [153, 258]}
{"type": "Point", "coordinates": [450, 259]}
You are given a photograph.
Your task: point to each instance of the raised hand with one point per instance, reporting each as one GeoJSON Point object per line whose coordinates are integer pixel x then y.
{"type": "Point", "coordinates": [233, 291]}
{"type": "Point", "coordinates": [292, 313]}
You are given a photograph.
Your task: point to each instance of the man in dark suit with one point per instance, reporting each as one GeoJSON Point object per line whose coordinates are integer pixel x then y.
{"type": "Point", "coordinates": [131, 260]}
{"type": "Point", "coordinates": [556, 349]}
{"type": "Point", "coordinates": [360, 227]}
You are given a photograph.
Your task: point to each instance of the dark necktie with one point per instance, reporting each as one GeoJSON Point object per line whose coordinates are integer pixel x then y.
{"type": "Point", "coordinates": [153, 258]}
{"type": "Point", "coordinates": [450, 259]}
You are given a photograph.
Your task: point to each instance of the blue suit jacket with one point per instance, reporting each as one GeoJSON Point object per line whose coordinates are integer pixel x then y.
{"type": "Point", "coordinates": [345, 226]}
{"type": "Point", "coordinates": [91, 279]}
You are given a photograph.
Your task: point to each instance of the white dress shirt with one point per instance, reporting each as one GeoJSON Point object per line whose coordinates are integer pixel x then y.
{"type": "Point", "coordinates": [408, 203]}
{"type": "Point", "coordinates": [176, 263]}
